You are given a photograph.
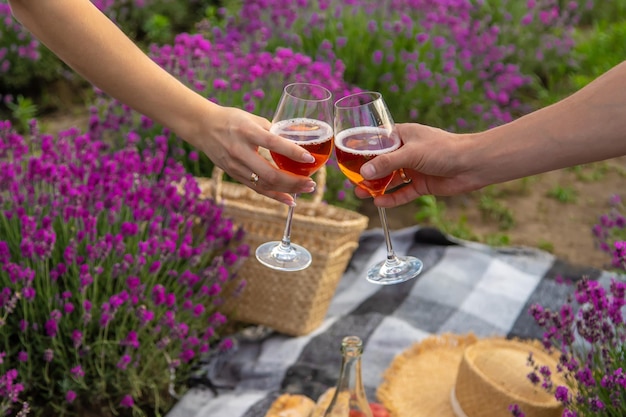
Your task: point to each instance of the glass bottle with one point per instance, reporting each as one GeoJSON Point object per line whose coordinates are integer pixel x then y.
{"type": "Point", "coordinates": [349, 399]}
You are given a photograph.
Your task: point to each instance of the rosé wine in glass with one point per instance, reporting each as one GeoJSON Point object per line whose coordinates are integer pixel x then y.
{"type": "Point", "coordinates": [364, 129]}
{"type": "Point", "coordinates": [304, 116]}
{"type": "Point", "coordinates": [356, 146]}
{"type": "Point", "coordinates": [313, 135]}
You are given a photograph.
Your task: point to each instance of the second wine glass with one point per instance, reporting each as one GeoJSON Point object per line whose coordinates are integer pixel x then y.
{"type": "Point", "coordinates": [365, 129]}
{"type": "Point", "coordinates": [304, 115]}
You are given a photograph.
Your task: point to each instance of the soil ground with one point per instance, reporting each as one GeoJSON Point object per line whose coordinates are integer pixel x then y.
{"type": "Point", "coordinates": [561, 226]}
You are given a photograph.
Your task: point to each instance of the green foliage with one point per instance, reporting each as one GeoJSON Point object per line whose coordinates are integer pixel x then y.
{"type": "Point", "coordinates": [590, 172]}
{"type": "Point", "coordinates": [461, 229]}
{"type": "Point", "coordinates": [429, 210]}
{"type": "Point", "coordinates": [546, 246]}
{"type": "Point", "coordinates": [158, 28]}
{"type": "Point", "coordinates": [563, 194]}
{"type": "Point", "coordinates": [609, 11]}
{"type": "Point", "coordinates": [497, 239]}
{"type": "Point", "coordinates": [22, 111]}
{"type": "Point", "coordinates": [599, 48]}
{"type": "Point", "coordinates": [32, 78]}
{"type": "Point", "coordinates": [432, 212]}
{"type": "Point", "coordinates": [496, 210]}
{"type": "Point", "coordinates": [158, 21]}
{"type": "Point", "coordinates": [525, 184]}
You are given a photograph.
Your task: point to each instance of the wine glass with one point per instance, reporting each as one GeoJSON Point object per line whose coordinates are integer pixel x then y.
{"type": "Point", "coordinates": [364, 129]}
{"type": "Point", "coordinates": [305, 116]}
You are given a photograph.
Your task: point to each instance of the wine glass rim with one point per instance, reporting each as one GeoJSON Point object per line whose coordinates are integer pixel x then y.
{"type": "Point", "coordinates": [372, 95]}
{"type": "Point", "coordinates": [326, 91]}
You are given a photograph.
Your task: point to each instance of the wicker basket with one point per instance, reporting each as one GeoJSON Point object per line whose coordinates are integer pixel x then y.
{"type": "Point", "coordinates": [294, 303]}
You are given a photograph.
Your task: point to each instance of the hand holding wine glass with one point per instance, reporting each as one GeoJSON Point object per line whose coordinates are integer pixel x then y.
{"type": "Point", "coordinates": [305, 116]}
{"type": "Point", "coordinates": [364, 129]}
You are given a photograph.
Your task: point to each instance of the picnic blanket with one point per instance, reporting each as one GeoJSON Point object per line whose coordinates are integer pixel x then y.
{"type": "Point", "coordinates": [464, 287]}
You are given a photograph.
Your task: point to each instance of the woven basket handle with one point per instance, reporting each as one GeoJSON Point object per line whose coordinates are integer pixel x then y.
{"type": "Point", "coordinates": [320, 178]}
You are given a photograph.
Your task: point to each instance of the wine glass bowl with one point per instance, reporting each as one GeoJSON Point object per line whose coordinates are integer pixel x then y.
{"type": "Point", "coordinates": [313, 135]}
{"type": "Point", "coordinates": [364, 129]}
{"type": "Point", "coordinates": [356, 146]}
{"type": "Point", "coordinates": [304, 115]}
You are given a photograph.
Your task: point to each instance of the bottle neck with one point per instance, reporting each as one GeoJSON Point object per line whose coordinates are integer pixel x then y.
{"type": "Point", "coordinates": [350, 385]}
{"type": "Point", "coordinates": [350, 378]}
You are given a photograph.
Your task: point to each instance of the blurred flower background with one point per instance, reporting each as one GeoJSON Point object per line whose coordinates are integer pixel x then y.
{"type": "Point", "coordinates": [113, 271]}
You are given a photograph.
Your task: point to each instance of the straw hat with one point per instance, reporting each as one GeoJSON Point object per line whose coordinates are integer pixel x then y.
{"type": "Point", "coordinates": [462, 376]}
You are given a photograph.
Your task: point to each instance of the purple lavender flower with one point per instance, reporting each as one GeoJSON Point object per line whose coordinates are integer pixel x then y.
{"type": "Point", "coordinates": [123, 362]}
{"type": "Point", "coordinates": [516, 411]}
{"type": "Point", "coordinates": [94, 250]}
{"type": "Point", "coordinates": [77, 371]}
{"type": "Point", "coordinates": [5, 254]}
{"type": "Point", "coordinates": [127, 401]}
{"type": "Point", "coordinates": [70, 396]}
{"type": "Point", "coordinates": [131, 340]}
{"type": "Point", "coordinates": [589, 332]}
{"type": "Point", "coordinates": [562, 394]}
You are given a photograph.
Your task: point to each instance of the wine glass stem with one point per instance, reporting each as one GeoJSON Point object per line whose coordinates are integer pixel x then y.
{"type": "Point", "coordinates": [383, 222]}
{"type": "Point", "coordinates": [286, 240]}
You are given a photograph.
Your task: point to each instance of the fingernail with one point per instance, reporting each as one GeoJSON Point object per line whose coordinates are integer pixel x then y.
{"type": "Point", "coordinates": [308, 158]}
{"type": "Point", "coordinates": [290, 203]}
{"type": "Point", "coordinates": [368, 170]}
{"type": "Point", "coordinates": [309, 187]}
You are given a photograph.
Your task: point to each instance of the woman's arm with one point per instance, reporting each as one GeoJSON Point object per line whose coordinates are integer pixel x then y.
{"type": "Point", "coordinates": [84, 38]}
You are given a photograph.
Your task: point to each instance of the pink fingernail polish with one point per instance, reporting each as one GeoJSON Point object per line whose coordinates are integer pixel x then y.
{"type": "Point", "coordinates": [309, 187]}
{"type": "Point", "coordinates": [308, 158]}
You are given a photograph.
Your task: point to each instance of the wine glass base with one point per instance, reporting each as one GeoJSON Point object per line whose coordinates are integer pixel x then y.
{"type": "Point", "coordinates": [282, 257]}
{"type": "Point", "coordinates": [401, 269]}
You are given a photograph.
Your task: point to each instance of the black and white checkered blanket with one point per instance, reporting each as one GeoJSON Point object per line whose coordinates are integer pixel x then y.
{"type": "Point", "coordinates": [464, 287]}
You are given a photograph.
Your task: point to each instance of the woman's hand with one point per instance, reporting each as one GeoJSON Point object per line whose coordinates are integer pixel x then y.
{"type": "Point", "coordinates": [231, 138]}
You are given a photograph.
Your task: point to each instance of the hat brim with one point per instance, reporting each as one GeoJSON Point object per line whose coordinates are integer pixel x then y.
{"type": "Point", "coordinates": [488, 376]}
{"type": "Point", "coordinates": [419, 380]}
